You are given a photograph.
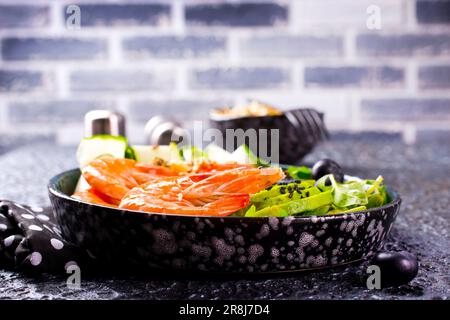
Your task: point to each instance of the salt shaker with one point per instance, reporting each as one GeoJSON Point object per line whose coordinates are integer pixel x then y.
{"type": "Point", "coordinates": [104, 122]}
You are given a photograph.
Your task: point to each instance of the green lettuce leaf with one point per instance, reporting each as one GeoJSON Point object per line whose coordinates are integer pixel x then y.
{"type": "Point", "coordinates": [299, 173]}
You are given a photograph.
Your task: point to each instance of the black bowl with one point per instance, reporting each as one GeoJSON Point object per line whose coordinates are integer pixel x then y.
{"type": "Point", "coordinates": [294, 142]}
{"type": "Point", "coordinates": [133, 239]}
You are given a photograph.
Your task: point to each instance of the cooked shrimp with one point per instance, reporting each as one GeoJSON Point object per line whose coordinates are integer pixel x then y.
{"type": "Point", "coordinates": [239, 180]}
{"type": "Point", "coordinates": [209, 189]}
{"type": "Point", "coordinates": [211, 166]}
{"type": "Point", "coordinates": [91, 196]}
{"type": "Point", "coordinates": [219, 194]}
{"type": "Point", "coordinates": [116, 177]}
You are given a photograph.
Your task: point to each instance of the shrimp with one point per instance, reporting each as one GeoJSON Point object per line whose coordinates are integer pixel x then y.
{"type": "Point", "coordinates": [91, 196]}
{"type": "Point", "coordinates": [116, 177]}
{"type": "Point", "coordinates": [219, 194]}
{"type": "Point", "coordinates": [211, 166]}
{"type": "Point", "coordinates": [239, 180]}
{"type": "Point", "coordinates": [204, 189]}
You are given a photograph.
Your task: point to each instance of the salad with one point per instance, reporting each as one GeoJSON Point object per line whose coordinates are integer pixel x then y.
{"type": "Point", "coordinates": [214, 182]}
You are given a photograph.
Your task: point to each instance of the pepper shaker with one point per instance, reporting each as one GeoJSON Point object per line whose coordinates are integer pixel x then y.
{"type": "Point", "coordinates": [160, 130]}
{"type": "Point", "coordinates": [104, 122]}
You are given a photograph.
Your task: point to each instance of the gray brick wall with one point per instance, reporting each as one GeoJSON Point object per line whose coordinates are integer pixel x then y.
{"type": "Point", "coordinates": [20, 81]}
{"type": "Point", "coordinates": [236, 14]}
{"type": "Point", "coordinates": [405, 109]}
{"type": "Point", "coordinates": [403, 45]}
{"type": "Point", "coordinates": [53, 112]}
{"type": "Point", "coordinates": [354, 77]}
{"type": "Point", "coordinates": [239, 78]}
{"type": "Point", "coordinates": [434, 77]}
{"type": "Point", "coordinates": [124, 81]}
{"type": "Point", "coordinates": [175, 47]}
{"type": "Point", "coordinates": [183, 57]}
{"type": "Point", "coordinates": [17, 16]}
{"type": "Point", "coordinates": [53, 49]}
{"type": "Point", "coordinates": [429, 12]}
{"type": "Point", "coordinates": [292, 46]}
{"type": "Point", "coordinates": [123, 14]}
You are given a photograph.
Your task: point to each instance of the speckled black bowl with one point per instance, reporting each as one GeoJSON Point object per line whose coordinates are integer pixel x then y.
{"type": "Point", "coordinates": [293, 146]}
{"type": "Point", "coordinates": [133, 239]}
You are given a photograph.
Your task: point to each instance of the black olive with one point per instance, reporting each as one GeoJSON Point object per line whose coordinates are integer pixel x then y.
{"type": "Point", "coordinates": [327, 166]}
{"type": "Point", "coordinates": [397, 268]}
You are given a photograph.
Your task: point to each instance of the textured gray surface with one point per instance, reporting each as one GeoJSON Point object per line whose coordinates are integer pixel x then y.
{"type": "Point", "coordinates": [419, 172]}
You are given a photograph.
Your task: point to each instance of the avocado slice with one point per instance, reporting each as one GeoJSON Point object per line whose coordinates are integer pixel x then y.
{"type": "Point", "coordinates": [280, 189]}
{"type": "Point", "coordinates": [295, 195]}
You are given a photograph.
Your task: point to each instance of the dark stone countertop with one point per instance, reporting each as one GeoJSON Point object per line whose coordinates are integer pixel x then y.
{"type": "Point", "coordinates": [419, 172]}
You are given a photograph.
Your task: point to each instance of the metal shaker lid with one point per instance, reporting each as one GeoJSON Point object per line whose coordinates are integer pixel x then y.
{"type": "Point", "coordinates": [104, 122]}
{"type": "Point", "coordinates": [161, 131]}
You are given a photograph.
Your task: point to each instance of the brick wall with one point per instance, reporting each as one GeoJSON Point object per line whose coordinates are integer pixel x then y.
{"type": "Point", "coordinates": [181, 58]}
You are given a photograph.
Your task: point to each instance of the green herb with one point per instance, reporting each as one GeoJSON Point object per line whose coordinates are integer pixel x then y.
{"type": "Point", "coordinates": [129, 153]}
{"type": "Point", "coordinates": [299, 173]}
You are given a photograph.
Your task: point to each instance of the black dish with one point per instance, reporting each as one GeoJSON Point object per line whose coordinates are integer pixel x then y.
{"type": "Point", "coordinates": [132, 239]}
{"type": "Point", "coordinates": [297, 137]}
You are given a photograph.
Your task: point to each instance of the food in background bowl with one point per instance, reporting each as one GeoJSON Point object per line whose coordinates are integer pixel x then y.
{"type": "Point", "coordinates": [300, 130]}
{"type": "Point", "coordinates": [252, 109]}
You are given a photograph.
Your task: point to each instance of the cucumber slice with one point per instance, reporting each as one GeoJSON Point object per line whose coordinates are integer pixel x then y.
{"type": "Point", "coordinates": [217, 154]}
{"type": "Point", "coordinates": [244, 155]}
{"type": "Point", "coordinates": [96, 146]}
{"type": "Point", "coordinates": [146, 154]}
{"type": "Point", "coordinates": [193, 154]}
{"type": "Point", "coordinates": [82, 185]}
